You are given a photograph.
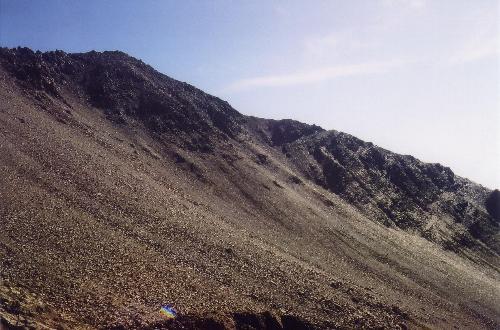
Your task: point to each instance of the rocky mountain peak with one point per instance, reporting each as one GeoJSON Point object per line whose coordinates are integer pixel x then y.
{"type": "Point", "coordinates": [127, 89]}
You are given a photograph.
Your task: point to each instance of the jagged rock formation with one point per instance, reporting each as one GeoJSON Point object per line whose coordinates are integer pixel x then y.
{"type": "Point", "coordinates": [126, 88]}
{"type": "Point", "coordinates": [123, 189]}
{"type": "Point", "coordinates": [398, 190]}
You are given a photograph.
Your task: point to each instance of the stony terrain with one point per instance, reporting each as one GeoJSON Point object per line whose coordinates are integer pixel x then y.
{"type": "Point", "coordinates": [122, 189]}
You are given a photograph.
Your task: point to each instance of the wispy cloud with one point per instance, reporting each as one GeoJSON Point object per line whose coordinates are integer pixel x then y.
{"type": "Point", "coordinates": [313, 76]}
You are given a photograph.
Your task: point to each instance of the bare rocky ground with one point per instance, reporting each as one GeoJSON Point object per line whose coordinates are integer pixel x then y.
{"type": "Point", "coordinates": [122, 189]}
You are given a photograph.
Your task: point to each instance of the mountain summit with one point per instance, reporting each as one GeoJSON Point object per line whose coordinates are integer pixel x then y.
{"type": "Point", "coordinates": [123, 189]}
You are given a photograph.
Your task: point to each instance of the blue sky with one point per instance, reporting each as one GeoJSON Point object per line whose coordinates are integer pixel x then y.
{"type": "Point", "coordinates": [417, 77]}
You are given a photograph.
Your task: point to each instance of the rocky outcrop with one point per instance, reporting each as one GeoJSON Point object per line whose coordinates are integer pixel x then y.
{"type": "Point", "coordinates": [280, 132]}
{"type": "Point", "coordinates": [127, 89]}
{"type": "Point", "coordinates": [397, 190]}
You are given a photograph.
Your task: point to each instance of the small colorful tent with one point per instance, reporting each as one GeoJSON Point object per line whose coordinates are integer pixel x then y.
{"type": "Point", "coordinates": [168, 311]}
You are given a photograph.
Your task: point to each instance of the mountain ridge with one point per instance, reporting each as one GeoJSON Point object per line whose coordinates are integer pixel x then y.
{"type": "Point", "coordinates": [277, 185]}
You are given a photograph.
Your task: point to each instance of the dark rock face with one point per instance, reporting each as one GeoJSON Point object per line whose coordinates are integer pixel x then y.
{"type": "Point", "coordinates": [280, 132]}
{"type": "Point", "coordinates": [287, 130]}
{"type": "Point", "coordinates": [126, 88]}
{"type": "Point", "coordinates": [397, 190]}
{"type": "Point", "coordinates": [493, 204]}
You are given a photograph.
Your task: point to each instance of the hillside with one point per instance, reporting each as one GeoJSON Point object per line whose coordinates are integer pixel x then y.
{"type": "Point", "coordinates": [123, 189]}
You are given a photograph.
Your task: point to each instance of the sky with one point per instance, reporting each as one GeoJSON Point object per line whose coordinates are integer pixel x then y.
{"type": "Point", "coordinates": [417, 77]}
